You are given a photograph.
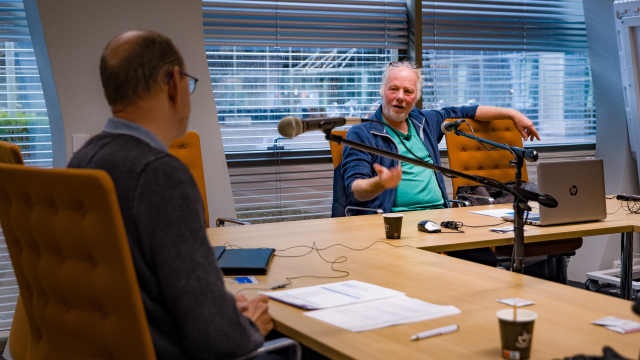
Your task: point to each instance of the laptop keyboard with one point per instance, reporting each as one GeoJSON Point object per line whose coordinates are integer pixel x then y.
{"type": "Point", "coordinates": [533, 217]}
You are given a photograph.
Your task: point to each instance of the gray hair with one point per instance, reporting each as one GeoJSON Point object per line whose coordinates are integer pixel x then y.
{"type": "Point", "coordinates": [409, 65]}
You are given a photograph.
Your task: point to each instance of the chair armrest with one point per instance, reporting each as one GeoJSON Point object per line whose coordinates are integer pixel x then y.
{"type": "Point", "coordinates": [277, 344]}
{"type": "Point", "coordinates": [461, 203]}
{"type": "Point", "coordinates": [346, 210]}
{"type": "Point", "coordinates": [490, 199]}
{"type": "Point", "coordinates": [220, 222]}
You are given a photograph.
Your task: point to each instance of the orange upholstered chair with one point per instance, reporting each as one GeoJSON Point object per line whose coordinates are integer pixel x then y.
{"type": "Point", "coordinates": [336, 149]}
{"type": "Point", "coordinates": [187, 149]}
{"type": "Point", "coordinates": [10, 154]}
{"type": "Point", "coordinates": [70, 254]}
{"type": "Point", "coordinates": [469, 156]}
{"type": "Point", "coordinates": [19, 335]}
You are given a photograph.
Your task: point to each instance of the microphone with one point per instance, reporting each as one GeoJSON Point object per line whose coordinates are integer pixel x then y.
{"type": "Point", "coordinates": [543, 199]}
{"type": "Point", "coordinates": [291, 126]}
{"type": "Point", "coordinates": [449, 126]}
{"type": "Point", "coordinates": [531, 155]}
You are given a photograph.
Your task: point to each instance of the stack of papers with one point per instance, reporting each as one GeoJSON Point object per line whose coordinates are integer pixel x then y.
{"type": "Point", "coordinates": [358, 306]}
{"type": "Point", "coordinates": [382, 313]}
{"type": "Point", "coordinates": [618, 325]}
{"type": "Point", "coordinates": [498, 213]}
{"type": "Point", "coordinates": [332, 295]}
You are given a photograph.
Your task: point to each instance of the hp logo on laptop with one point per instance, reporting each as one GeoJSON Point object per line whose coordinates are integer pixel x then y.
{"type": "Point", "coordinates": [573, 190]}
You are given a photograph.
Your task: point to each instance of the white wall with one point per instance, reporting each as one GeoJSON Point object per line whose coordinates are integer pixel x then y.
{"type": "Point", "coordinates": [612, 141]}
{"type": "Point", "coordinates": [69, 36]}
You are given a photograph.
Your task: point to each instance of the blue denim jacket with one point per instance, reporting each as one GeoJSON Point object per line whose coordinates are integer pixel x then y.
{"type": "Point", "coordinates": [357, 164]}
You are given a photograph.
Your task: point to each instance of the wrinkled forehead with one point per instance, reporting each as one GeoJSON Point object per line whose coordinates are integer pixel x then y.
{"type": "Point", "coordinates": [402, 75]}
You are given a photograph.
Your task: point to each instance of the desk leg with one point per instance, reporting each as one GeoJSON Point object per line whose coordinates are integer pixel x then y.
{"type": "Point", "coordinates": [626, 265]}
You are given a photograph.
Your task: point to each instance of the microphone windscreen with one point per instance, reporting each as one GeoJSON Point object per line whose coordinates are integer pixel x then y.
{"type": "Point", "coordinates": [445, 128]}
{"type": "Point", "coordinates": [531, 155]}
{"type": "Point", "coordinates": [547, 201]}
{"type": "Point", "coordinates": [290, 127]}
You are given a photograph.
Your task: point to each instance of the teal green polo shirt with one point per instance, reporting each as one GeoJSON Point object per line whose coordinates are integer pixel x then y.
{"type": "Point", "coordinates": [418, 189]}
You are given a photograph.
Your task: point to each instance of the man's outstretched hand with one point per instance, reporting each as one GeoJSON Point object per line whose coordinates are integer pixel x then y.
{"type": "Point", "coordinates": [388, 178]}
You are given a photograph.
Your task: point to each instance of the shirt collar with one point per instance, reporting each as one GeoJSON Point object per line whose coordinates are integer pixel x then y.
{"type": "Point", "coordinates": [405, 137]}
{"type": "Point", "coordinates": [119, 126]}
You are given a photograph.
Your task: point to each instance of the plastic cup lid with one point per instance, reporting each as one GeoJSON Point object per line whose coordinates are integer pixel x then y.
{"type": "Point", "coordinates": [521, 316]}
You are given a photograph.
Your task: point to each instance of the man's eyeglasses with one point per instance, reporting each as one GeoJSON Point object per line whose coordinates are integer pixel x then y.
{"type": "Point", "coordinates": [404, 63]}
{"type": "Point", "coordinates": [192, 81]}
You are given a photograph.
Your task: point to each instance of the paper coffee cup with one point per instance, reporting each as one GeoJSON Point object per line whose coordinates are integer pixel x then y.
{"type": "Point", "coordinates": [516, 336]}
{"type": "Point", "coordinates": [392, 225]}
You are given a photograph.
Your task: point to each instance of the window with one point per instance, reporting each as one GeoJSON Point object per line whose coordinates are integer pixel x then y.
{"type": "Point", "coordinates": [23, 121]}
{"type": "Point", "coordinates": [529, 56]}
{"type": "Point", "coordinates": [271, 59]}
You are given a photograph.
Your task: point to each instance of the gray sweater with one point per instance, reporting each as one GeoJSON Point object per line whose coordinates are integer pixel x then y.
{"type": "Point", "coordinates": [190, 314]}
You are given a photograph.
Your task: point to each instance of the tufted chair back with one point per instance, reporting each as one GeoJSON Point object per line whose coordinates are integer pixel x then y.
{"type": "Point", "coordinates": [469, 156]}
{"type": "Point", "coordinates": [19, 335]}
{"type": "Point", "coordinates": [10, 154]}
{"type": "Point", "coordinates": [336, 150]}
{"type": "Point", "coordinates": [70, 253]}
{"type": "Point", "coordinates": [187, 149]}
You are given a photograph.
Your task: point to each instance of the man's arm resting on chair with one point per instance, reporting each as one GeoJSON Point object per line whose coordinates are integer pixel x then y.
{"type": "Point", "coordinates": [520, 121]}
{"type": "Point", "coordinates": [367, 189]}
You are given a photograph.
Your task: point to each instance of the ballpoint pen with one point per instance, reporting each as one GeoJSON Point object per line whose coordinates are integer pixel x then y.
{"type": "Point", "coordinates": [434, 332]}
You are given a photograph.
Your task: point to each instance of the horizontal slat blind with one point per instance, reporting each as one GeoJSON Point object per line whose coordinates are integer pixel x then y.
{"type": "Point", "coordinates": [282, 193]}
{"type": "Point", "coordinates": [271, 59]}
{"type": "Point", "coordinates": [361, 24]}
{"type": "Point", "coordinates": [504, 25]}
{"type": "Point", "coordinates": [552, 89]}
{"type": "Point", "coordinates": [8, 287]}
{"type": "Point", "coordinates": [23, 121]}
{"type": "Point", "coordinates": [256, 87]}
{"type": "Point", "coordinates": [527, 55]}
{"type": "Point", "coordinates": [23, 113]}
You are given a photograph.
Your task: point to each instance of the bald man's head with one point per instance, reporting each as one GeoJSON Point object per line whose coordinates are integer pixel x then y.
{"type": "Point", "coordinates": [135, 65]}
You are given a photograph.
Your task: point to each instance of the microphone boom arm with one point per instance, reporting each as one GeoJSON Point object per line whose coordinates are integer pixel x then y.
{"type": "Point", "coordinates": [519, 153]}
{"type": "Point", "coordinates": [521, 196]}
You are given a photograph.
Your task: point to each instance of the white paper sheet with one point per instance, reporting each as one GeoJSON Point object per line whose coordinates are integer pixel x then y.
{"type": "Point", "coordinates": [498, 213]}
{"type": "Point", "coordinates": [382, 313]}
{"type": "Point", "coordinates": [622, 326]}
{"type": "Point", "coordinates": [518, 301]}
{"type": "Point", "coordinates": [332, 295]}
{"type": "Point", "coordinates": [504, 230]}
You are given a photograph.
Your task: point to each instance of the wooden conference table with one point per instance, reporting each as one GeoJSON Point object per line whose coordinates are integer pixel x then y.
{"type": "Point", "coordinates": [564, 313]}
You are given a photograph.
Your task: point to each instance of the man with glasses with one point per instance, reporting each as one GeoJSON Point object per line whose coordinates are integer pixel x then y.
{"type": "Point", "coordinates": [378, 182]}
{"type": "Point", "coordinates": [190, 314]}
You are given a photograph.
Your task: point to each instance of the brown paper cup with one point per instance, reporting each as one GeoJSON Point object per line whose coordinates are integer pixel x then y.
{"type": "Point", "coordinates": [392, 225]}
{"type": "Point", "coordinates": [516, 336]}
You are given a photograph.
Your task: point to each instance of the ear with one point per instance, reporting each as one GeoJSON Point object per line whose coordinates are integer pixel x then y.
{"type": "Point", "coordinates": [174, 85]}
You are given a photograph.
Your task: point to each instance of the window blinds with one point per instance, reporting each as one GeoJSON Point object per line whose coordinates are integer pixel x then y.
{"type": "Point", "coordinates": [270, 59]}
{"type": "Point", "coordinates": [526, 55]}
{"type": "Point", "coordinates": [23, 121]}
{"type": "Point", "coordinates": [327, 23]}
{"type": "Point", "coordinates": [504, 25]}
{"type": "Point", "coordinates": [23, 113]}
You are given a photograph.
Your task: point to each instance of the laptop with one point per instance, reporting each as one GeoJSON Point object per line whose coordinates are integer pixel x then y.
{"type": "Point", "coordinates": [579, 188]}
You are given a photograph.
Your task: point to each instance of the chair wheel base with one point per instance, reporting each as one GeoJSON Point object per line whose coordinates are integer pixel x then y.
{"type": "Point", "coordinates": [592, 285]}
